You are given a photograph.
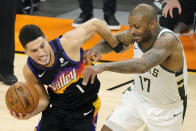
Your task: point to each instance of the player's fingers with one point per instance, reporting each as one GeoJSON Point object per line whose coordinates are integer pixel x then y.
{"type": "Point", "coordinates": [27, 116]}
{"type": "Point", "coordinates": [86, 77]}
{"type": "Point", "coordinates": [93, 78]}
{"type": "Point", "coordinates": [14, 114]}
{"type": "Point", "coordinates": [86, 57]}
{"type": "Point", "coordinates": [164, 12]}
{"type": "Point", "coordinates": [97, 58]}
{"type": "Point", "coordinates": [86, 60]}
{"type": "Point", "coordinates": [179, 9]}
{"type": "Point", "coordinates": [11, 113]}
{"type": "Point", "coordinates": [20, 116]}
{"type": "Point", "coordinates": [171, 12]}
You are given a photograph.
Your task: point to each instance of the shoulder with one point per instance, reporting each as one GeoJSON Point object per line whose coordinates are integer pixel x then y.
{"type": "Point", "coordinates": [28, 75]}
{"type": "Point", "coordinates": [167, 40]}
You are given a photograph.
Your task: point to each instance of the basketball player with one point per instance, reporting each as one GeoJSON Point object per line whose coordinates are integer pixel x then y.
{"type": "Point", "coordinates": [158, 96]}
{"type": "Point", "coordinates": [58, 65]}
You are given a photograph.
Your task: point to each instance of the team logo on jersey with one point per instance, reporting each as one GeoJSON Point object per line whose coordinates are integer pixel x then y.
{"type": "Point", "coordinates": [86, 113]}
{"type": "Point", "coordinates": [63, 62]}
{"type": "Point", "coordinates": [64, 80]}
{"type": "Point", "coordinates": [40, 75]}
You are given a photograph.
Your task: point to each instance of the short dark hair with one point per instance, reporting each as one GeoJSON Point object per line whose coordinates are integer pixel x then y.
{"type": "Point", "coordinates": [29, 33]}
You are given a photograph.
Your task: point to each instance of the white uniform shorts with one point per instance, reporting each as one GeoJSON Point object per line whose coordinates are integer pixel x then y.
{"type": "Point", "coordinates": [132, 113]}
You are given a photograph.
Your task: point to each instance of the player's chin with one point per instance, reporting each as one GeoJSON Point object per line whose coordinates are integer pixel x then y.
{"type": "Point", "coordinates": [137, 39]}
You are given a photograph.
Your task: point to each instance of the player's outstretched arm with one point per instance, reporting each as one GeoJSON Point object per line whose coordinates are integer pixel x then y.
{"type": "Point", "coordinates": [75, 38]}
{"type": "Point", "coordinates": [161, 50]}
{"type": "Point", "coordinates": [124, 39]}
{"type": "Point", "coordinates": [103, 47]}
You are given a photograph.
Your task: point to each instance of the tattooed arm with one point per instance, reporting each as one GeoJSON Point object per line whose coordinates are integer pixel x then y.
{"type": "Point", "coordinates": [123, 37]}
{"type": "Point", "coordinates": [163, 48]}
{"type": "Point", "coordinates": [103, 47]}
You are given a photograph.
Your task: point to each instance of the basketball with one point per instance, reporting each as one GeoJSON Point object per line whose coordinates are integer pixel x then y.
{"type": "Point", "coordinates": [22, 97]}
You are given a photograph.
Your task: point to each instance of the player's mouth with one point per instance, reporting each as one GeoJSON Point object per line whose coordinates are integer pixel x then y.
{"type": "Point", "coordinates": [44, 59]}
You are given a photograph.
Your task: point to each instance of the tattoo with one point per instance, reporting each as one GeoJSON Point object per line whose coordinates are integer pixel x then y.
{"type": "Point", "coordinates": [130, 66]}
{"type": "Point", "coordinates": [125, 37]}
{"type": "Point", "coordinates": [103, 47]}
{"type": "Point", "coordinates": [163, 48]}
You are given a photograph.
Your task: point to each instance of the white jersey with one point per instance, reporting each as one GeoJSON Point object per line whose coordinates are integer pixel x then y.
{"type": "Point", "coordinates": [159, 85]}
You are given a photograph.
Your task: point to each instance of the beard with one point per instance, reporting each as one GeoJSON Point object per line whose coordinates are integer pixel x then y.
{"type": "Point", "coordinates": [146, 36]}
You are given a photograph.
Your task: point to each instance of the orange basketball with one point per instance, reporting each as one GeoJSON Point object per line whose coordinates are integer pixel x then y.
{"type": "Point", "coordinates": [22, 97]}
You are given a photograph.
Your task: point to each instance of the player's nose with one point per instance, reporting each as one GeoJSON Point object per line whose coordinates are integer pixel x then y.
{"type": "Point", "coordinates": [41, 52]}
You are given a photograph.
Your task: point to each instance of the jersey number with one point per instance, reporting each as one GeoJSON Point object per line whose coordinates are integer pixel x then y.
{"type": "Point", "coordinates": [145, 80]}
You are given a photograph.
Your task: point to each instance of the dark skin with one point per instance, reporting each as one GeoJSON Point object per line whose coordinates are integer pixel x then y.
{"type": "Point", "coordinates": [165, 51]}
{"type": "Point", "coordinates": [144, 28]}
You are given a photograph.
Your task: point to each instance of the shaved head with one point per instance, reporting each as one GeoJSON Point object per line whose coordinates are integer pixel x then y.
{"type": "Point", "coordinates": [143, 23]}
{"type": "Point", "coordinates": [145, 11]}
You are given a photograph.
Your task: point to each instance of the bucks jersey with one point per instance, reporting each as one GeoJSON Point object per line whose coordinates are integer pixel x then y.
{"type": "Point", "coordinates": [160, 85]}
{"type": "Point", "coordinates": [64, 80]}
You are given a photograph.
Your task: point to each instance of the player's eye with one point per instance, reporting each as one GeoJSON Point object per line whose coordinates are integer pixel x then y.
{"type": "Point", "coordinates": [34, 50]}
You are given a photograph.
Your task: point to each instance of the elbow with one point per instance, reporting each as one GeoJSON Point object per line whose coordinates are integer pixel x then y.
{"type": "Point", "coordinates": [97, 23]}
{"type": "Point", "coordinates": [44, 102]}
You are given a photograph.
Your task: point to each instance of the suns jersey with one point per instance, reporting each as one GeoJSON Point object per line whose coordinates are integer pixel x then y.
{"type": "Point", "coordinates": [159, 85]}
{"type": "Point", "coordinates": [64, 80]}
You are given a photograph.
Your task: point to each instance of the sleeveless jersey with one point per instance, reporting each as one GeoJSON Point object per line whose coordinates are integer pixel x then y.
{"type": "Point", "coordinates": [64, 80]}
{"type": "Point", "coordinates": [160, 85]}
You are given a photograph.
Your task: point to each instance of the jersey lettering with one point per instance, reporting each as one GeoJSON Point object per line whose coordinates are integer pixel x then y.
{"type": "Point", "coordinates": [154, 72]}
{"type": "Point", "coordinates": [63, 80]}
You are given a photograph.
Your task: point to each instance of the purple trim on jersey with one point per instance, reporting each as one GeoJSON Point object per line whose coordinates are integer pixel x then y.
{"type": "Point", "coordinates": [65, 55]}
{"type": "Point", "coordinates": [32, 70]}
{"type": "Point", "coordinates": [38, 126]}
{"type": "Point", "coordinates": [52, 45]}
{"type": "Point", "coordinates": [94, 123]}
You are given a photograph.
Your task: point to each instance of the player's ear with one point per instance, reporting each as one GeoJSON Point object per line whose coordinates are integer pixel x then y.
{"type": "Point", "coordinates": [153, 24]}
{"type": "Point", "coordinates": [25, 51]}
{"type": "Point", "coordinates": [46, 38]}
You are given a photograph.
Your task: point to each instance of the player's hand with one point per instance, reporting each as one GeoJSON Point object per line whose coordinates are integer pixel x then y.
{"type": "Point", "coordinates": [91, 55]}
{"type": "Point", "coordinates": [90, 72]}
{"type": "Point", "coordinates": [171, 4]}
{"type": "Point", "coordinates": [20, 116]}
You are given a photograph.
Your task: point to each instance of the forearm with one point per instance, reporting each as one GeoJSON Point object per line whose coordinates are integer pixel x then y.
{"type": "Point", "coordinates": [43, 103]}
{"type": "Point", "coordinates": [131, 66]}
{"type": "Point", "coordinates": [123, 38]}
{"type": "Point", "coordinates": [105, 33]}
{"type": "Point", "coordinates": [103, 47]}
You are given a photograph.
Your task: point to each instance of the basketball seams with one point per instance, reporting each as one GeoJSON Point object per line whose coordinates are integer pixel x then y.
{"type": "Point", "coordinates": [19, 98]}
{"type": "Point", "coordinates": [30, 94]}
{"type": "Point", "coordinates": [22, 97]}
{"type": "Point", "coordinates": [8, 103]}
